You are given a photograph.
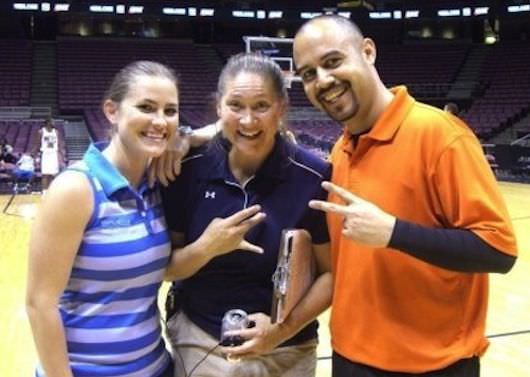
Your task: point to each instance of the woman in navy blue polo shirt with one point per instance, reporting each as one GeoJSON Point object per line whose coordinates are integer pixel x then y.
{"type": "Point", "coordinates": [226, 211]}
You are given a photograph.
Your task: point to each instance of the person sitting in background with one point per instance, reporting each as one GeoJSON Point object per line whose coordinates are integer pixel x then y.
{"type": "Point", "coordinates": [24, 171]}
{"type": "Point", "coordinates": [6, 152]}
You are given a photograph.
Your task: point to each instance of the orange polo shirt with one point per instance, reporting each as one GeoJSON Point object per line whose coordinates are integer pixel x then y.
{"type": "Point", "coordinates": [390, 310]}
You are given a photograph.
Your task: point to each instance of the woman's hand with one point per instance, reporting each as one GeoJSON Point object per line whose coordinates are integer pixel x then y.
{"type": "Point", "coordinates": [225, 235]}
{"type": "Point", "coordinates": [167, 166]}
{"type": "Point", "coordinates": [221, 236]}
{"type": "Point", "coordinates": [260, 339]}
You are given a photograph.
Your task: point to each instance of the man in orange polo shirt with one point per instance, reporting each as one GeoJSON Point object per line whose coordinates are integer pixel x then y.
{"type": "Point", "coordinates": [416, 218]}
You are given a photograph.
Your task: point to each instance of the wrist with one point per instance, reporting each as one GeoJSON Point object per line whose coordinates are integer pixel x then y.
{"type": "Point", "coordinates": [203, 248]}
{"type": "Point", "coordinates": [284, 331]}
{"type": "Point", "coordinates": [391, 227]}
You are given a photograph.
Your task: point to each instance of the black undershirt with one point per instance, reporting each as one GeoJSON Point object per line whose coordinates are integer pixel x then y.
{"type": "Point", "coordinates": [452, 249]}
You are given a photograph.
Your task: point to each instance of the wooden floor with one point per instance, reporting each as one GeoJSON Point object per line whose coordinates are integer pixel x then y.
{"type": "Point", "coordinates": [508, 321]}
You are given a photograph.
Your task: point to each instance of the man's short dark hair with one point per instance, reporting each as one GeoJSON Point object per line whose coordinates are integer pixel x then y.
{"type": "Point", "coordinates": [347, 25]}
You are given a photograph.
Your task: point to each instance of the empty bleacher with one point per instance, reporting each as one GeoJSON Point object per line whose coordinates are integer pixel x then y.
{"type": "Point", "coordinates": [86, 66]}
{"type": "Point", "coordinates": [506, 97]}
{"type": "Point", "coordinates": [15, 72]}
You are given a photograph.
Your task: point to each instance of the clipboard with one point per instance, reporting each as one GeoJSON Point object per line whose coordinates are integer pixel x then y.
{"type": "Point", "coordinates": [294, 274]}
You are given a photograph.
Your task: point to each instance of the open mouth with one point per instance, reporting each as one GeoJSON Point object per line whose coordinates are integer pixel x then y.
{"type": "Point", "coordinates": [332, 94]}
{"type": "Point", "coordinates": [249, 135]}
{"type": "Point", "coordinates": [155, 136]}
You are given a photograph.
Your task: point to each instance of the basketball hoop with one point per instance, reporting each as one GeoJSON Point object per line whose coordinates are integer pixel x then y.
{"type": "Point", "coordinates": [279, 50]}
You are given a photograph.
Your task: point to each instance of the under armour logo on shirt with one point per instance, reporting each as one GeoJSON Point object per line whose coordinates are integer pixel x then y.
{"type": "Point", "coordinates": [209, 195]}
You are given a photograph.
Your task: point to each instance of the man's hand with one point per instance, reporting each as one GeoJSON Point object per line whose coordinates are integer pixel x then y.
{"type": "Point", "coordinates": [364, 222]}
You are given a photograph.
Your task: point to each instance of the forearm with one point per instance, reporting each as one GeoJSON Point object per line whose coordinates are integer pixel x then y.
{"type": "Point", "coordinates": [317, 299]}
{"type": "Point", "coordinates": [452, 249]}
{"type": "Point", "coordinates": [50, 340]}
{"type": "Point", "coordinates": [187, 260]}
{"type": "Point", "coordinates": [203, 135]}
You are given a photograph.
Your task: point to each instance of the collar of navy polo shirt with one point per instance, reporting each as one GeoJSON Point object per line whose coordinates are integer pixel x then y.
{"type": "Point", "coordinates": [108, 175]}
{"type": "Point", "coordinates": [274, 167]}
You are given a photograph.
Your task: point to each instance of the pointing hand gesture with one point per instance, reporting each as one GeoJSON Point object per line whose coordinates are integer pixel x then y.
{"type": "Point", "coordinates": [364, 222]}
{"type": "Point", "coordinates": [225, 235]}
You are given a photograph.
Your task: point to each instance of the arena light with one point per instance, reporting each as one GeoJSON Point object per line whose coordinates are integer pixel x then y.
{"type": "Point", "coordinates": [45, 7]}
{"type": "Point", "coordinates": [345, 14]}
{"type": "Point", "coordinates": [449, 12]}
{"type": "Point", "coordinates": [490, 39]}
{"type": "Point", "coordinates": [243, 13]}
{"type": "Point", "coordinates": [519, 8]}
{"type": "Point", "coordinates": [136, 9]}
{"type": "Point", "coordinates": [101, 8]}
{"type": "Point", "coordinates": [62, 7]}
{"type": "Point", "coordinates": [261, 14]}
{"type": "Point", "coordinates": [309, 15]}
{"type": "Point", "coordinates": [174, 11]}
{"type": "Point", "coordinates": [466, 12]}
{"type": "Point", "coordinates": [380, 15]}
{"type": "Point", "coordinates": [357, 3]}
{"type": "Point", "coordinates": [192, 11]}
{"type": "Point", "coordinates": [480, 11]}
{"type": "Point", "coordinates": [397, 14]}
{"type": "Point", "coordinates": [26, 6]}
{"type": "Point", "coordinates": [120, 9]}
{"type": "Point", "coordinates": [207, 12]}
{"type": "Point", "coordinates": [412, 14]}
{"type": "Point", "coordinates": [275, 14]}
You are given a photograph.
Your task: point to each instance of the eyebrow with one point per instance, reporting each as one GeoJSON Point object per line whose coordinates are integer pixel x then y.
{"type": "Point", "coordinates": [326, 55]}
{"type": "Point", "coordinates": [150, 101]}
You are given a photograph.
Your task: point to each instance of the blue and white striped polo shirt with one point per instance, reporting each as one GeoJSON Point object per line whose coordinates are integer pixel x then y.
{"type": "Point", "coordinates": [109, 307]}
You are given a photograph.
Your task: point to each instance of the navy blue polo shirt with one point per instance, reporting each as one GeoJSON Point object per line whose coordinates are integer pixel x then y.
{"type": "Point", "coordinates": [206, 188]}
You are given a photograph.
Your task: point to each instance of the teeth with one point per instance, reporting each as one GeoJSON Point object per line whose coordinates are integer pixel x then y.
{"type": "Point", "coordinates": [333, 94]}
{"type": "Point", "coordinates": [155, 135]}
{"type": "Point", "coordinates": [249, 134]}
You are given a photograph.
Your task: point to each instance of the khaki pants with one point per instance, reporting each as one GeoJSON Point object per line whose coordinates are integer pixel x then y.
{"type": "Point", "coordinates": [190, 344]}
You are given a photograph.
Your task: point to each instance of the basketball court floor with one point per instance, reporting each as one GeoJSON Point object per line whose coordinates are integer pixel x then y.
{"type": "Point", "coordinates": [508, 321]}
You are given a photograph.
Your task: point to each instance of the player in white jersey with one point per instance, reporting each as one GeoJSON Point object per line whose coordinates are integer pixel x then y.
{"type": "Point", "coordinates": [49, 147]}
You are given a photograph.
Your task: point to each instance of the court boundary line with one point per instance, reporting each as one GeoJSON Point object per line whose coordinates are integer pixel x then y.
{"type": "Point", "coordinates": [503, 334]}
{"type": "Point", "coordinates": [521, 218]}
{"type": "Point", "coordinates": [492, 336]}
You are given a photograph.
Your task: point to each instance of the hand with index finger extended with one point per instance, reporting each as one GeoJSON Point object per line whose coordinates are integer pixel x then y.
{"type": "Point", "coordinates": [346, 196]}
{"type": "Point", "coordinates": [225, 235]}
{"type": "Point", "coordinates": [363, 222]}
{"type": "Point", "coordinates": [329, 207]}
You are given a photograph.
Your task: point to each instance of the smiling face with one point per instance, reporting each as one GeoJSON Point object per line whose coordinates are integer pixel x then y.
{"type": "Point", "coordinates": [336, 67]}
{"type": "Point", "coordinates": [146, 117]}
{"type": "Point", "coordinates": [250, 111]}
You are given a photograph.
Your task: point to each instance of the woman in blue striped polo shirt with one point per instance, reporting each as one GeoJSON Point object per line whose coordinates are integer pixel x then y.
{"type": "Point", "coordinates": [99, 246]}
